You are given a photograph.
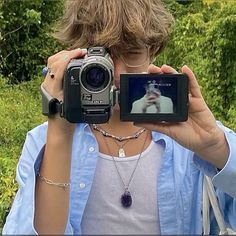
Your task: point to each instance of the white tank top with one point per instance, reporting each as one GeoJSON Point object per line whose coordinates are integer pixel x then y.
{"type": "Point", "coordinates": [104, 213]}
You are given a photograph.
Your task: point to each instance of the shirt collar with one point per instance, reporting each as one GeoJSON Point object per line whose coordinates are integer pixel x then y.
{"type": "Point", "coordinates": [165, 141]}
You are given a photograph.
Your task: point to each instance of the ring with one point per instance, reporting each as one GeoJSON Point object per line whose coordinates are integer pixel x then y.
{"type": "Point", "coordinates": [44, 71]}
{"type": "Point", "coordinates": [48, 70]}
{"type": "Point", "coordinates": [51, 73]}
{"type": "Point", "coordinates": [65, 57]}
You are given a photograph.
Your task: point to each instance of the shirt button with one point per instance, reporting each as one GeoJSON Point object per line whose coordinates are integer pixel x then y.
{"type": "Point", "coordinates": [91, 149]}
{"type": "Point", "coordinates": [82, 185]}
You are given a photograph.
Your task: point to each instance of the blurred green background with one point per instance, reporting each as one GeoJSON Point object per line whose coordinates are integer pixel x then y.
{"type": "Point", "coordinates": [203, 38]}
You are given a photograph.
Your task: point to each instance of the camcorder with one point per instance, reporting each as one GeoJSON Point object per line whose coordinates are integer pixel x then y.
{"type": "Point", "coordinates": [89, 94]}
{"type": "Point", "coordinates": [87, 87]}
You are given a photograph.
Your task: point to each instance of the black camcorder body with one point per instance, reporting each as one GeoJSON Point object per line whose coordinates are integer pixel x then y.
{"type": "Point", "coordinates": [87, 88]}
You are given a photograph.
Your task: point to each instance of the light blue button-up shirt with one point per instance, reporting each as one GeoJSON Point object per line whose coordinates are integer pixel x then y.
{"type": "Point", "coordinates": [179, 183]}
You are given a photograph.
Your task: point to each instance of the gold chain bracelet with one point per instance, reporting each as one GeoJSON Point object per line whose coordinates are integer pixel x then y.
{"type": "Point", "coordinates": [50, 182]}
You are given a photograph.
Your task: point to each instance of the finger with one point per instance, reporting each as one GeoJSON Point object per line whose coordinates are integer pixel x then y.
{"type": "Point", "coordinates": [154, 69]}
{"type": "Point", "coordinates": [64, 59]}
{"type": "Point", "coordinates": [194, 88]}
{"type": "Point", "coordinates": [152, 96]}
{"type": "Point", "coordinates": [66, 56]}
{"type": "Point", "coordinates": [58, 64]}
{"type": "Point", "coordinates": [156, 93]}
{"type": "Point", "coordinates": [168, 69]}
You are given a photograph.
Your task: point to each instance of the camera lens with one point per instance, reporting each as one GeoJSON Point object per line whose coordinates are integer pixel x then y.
{"type": "Point", "coordinates": [95, 78]}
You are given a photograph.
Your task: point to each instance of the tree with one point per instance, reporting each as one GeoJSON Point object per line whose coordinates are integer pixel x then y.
{"type": "Point", "coordinates": [204, 39]}
{"type": "Point", "coordinates": [25, 36]}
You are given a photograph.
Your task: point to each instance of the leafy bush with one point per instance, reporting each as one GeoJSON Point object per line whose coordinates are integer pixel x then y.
{"type": "Point", "coordinates": [20, 109]}
{"type": "Point", "coordinates": [200, 39]}
{"type": "Point", "coordinates": [204, 39]}
{"type": "Point", "coordinates": [24, 36]}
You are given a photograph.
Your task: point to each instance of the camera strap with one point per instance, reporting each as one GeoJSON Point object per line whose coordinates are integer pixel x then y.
{"type": "Point", "coordinates": [50, 105]}
{"type": "Point", "coordinates": [116, 96]}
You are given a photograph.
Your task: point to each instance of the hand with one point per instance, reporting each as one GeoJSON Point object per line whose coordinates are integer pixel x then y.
{"type": "Point", "coordinates": [57, 65]}
{"type": "Point", "coordinates": [54, 86]}
{"type": "Point", "coordinates": [200, 132]}
{"type": "Point", "coordinates": [151, 98]}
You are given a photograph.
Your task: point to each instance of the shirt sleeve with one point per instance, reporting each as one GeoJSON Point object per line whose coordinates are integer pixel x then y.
{"type": "Point", "coordinates": [20, 220]}
{"type": "Point", "coordinates": [224, 180]}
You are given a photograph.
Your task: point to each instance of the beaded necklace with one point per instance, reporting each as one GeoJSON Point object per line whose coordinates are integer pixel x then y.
{"type": "Point", "coordinates": [118, 138]}
{"type": "Point", "coordinates": [121, 151]}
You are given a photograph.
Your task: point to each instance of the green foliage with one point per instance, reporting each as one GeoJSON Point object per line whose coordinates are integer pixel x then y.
{"type": "Point", "coordinates": [25, 36]}
{"type": "Point", "coordinates": [204, 39]}
{"type": "Point", "coordinates": [20, 109]}
{"type": "Point", "coordinates": [8, 186]}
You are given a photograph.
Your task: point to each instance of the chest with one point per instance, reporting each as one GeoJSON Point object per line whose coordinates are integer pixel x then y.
{"type": "Point", "coordinates": [108, 186]}
{"type": "Point", "coordinates": [178, 189]}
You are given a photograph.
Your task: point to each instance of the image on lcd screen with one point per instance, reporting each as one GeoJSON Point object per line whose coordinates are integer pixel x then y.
{"type": "Point", "coordinates": [152, 95]}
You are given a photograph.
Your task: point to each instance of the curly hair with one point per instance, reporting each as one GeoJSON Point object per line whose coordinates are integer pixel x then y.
{"type": "Point", "coordinates": [117, 24]}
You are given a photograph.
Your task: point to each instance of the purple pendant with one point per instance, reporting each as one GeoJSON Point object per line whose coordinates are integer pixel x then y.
{"type": "Point", "coordinates": [126, 199]}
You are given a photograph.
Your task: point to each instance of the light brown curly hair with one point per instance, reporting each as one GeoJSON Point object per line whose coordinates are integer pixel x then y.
{"type": "Point", "coordinates": [117, 24]}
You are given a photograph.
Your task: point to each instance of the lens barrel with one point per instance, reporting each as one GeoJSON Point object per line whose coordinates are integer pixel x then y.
{"type": "Point", "coordinates": [95, 77]}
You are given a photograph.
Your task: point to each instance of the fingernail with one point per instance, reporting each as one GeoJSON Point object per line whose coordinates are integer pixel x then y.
{"type": "Point", "coordinates": [164, 65]}
{"type": "Point", "coordinates": [84, 50]}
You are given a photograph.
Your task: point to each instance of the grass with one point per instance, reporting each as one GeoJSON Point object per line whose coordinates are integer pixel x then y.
{"type": "Point", "coordinates": [20, 109]}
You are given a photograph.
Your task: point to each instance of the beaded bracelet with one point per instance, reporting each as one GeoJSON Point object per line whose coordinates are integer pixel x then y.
{"type": "Point", "coordinates": [50, 182]}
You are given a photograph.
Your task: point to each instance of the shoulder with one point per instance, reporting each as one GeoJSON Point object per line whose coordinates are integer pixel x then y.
{"type": "Point", "coordinates": [138, 101]}
{"type": "Point", "coordinates": [165, 99]}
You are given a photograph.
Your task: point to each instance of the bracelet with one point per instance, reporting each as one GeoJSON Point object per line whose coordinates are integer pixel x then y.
{"type": "Point", "coordinates": [50, 182]}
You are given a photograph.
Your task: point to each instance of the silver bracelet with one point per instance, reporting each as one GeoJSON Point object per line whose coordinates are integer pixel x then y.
{"type": "Point", "coordinates": [50, 182]}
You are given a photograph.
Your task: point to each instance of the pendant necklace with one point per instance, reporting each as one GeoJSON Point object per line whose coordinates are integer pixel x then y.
{"type": "Point", "coordinates": [121, 151]}
{"type": "Point", "coordinates": [126, 198]}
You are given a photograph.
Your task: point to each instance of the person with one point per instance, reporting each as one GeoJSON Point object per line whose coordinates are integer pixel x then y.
{"type": "Point", "coordinates": [152, 102]}
{"type": "Point", "coordinates": [71, 178]}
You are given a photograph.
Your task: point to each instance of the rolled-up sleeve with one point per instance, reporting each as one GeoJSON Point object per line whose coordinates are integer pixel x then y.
{"type": "Point", "coordinates": [20, 220]}
{"type": "Point", "coordinates": [225, 178]}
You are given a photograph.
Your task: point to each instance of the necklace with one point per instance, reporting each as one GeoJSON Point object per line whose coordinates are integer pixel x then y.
{"type": "Point", "coordinates": [118, 138]}
{"type": "Point", "coordinates": [121, 151]}
{"type": "Point", "coordinates": [126, 198]}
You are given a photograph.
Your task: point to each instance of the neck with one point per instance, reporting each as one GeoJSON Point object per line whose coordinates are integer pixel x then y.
{"type": "Point", "coordinates": [117, 127]}
{"type": "Point", "coordinates": [121, 129]}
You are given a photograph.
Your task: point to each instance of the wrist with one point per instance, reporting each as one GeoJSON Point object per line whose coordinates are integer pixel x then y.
{"type": "Point", "coordinates": [61, 127]}
{"type": "Point", "coordinates": [58, 150]}
{"type": "Point", "coordinates": [217, 151]}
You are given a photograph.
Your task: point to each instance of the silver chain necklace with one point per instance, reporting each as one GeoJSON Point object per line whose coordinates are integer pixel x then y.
{"type": "Point", "coordinates": [126, 198]}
